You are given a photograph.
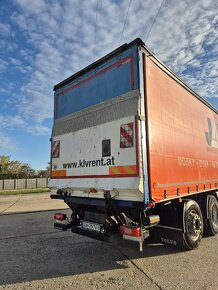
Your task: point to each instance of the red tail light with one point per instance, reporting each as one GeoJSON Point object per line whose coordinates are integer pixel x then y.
{"type": "Point", "coordinates": [151, 205]}
{"type": "Point", "coordinates": [130, 231]}
{"type": "Point", "coordinates": [60, 216]}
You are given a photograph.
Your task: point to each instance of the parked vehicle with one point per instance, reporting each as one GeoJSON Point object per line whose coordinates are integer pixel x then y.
{"type": "Point", "coordinates": [134, 151]}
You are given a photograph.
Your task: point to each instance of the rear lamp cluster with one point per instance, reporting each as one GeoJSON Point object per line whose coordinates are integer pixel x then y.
{"type": "Point", "coordinates": [60, 216]}
{"type": "Point", "coordinates": [130, 231]}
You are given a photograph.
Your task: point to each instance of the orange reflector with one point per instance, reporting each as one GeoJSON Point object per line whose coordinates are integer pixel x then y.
{"type": "Point", "coordinates": [59, 173]}
{"type": "Point", "coordinates": [130, 231]}
{"type": "Point", "coordinates": [60, 216]}
{"type": "Point", "coordinates": [92, 190]}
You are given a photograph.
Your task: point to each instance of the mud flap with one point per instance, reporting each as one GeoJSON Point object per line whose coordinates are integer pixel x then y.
{"type": "Point", "coordinates": [168, 235]}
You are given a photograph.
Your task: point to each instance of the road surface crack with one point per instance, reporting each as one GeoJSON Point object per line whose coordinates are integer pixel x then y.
{"type": "Point", "coordinates": [138, 268]}
{"type": "Point", "coordinates": [11, 205]}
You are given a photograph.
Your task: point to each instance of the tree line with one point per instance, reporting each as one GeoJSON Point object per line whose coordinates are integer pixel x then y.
{"type": "Point", "coordinates": [14, 169]}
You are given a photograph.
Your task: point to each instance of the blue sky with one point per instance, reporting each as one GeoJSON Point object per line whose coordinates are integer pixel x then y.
{"type": "Point", "coordinates": [44, 41]}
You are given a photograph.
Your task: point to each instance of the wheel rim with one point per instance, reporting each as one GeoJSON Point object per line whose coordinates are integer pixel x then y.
{"type": "Point", "coordinates": [194, 225]}
{"type": "Point", "coordinates": [214, 215]}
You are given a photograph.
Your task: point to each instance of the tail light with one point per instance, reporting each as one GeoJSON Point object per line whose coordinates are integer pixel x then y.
{"type": "Point", "coordinates": [130, 231]}
{"type": "Point", "coordinates": [151, 205]}
{"type": "Point", "coordinates": [60, 216]}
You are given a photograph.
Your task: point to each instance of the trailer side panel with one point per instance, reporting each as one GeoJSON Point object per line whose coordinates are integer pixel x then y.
{"type": "Point", "coordinates": [182, 137]}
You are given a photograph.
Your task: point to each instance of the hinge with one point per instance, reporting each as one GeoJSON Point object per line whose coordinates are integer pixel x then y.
{"type": "Point", "coordinates": [141, 118]}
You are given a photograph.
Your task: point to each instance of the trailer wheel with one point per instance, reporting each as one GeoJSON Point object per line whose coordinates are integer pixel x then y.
{"type": "Point", "coordinates": [212, 216]}
{"type": "Point", "coordinates": [193, 224]}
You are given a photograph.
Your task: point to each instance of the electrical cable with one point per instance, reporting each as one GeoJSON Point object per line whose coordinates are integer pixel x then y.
{"type": "Point", "coordinates": [149, 31]}
{"type": "Point", "coordinates": [96, 20]}
{"type": "Point", "coordinates": [124, 23]}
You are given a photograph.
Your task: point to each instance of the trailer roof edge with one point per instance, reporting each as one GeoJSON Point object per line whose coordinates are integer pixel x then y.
{"type": "Point", "coordinates": [170, 72]}
{"type": "Point", "coordinates": [118, 50]}
{"type": "Point", "coordinates": [124, 47]}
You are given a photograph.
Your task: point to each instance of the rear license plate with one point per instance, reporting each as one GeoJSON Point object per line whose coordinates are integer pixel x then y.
{"type": "Point", "coordinates": [91, 226]}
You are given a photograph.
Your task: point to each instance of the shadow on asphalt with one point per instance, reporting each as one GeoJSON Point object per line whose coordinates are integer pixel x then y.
{"type": "Point", "coordinates": [30, 249]}
{"type": "Point", "coordinates": [151, 248]}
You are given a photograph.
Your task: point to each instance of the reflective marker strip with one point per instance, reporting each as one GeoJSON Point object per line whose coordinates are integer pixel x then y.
{"type": "Point", "coordinates": [59, 173]}
{"type": "Point", "coordinates": [122, 170]}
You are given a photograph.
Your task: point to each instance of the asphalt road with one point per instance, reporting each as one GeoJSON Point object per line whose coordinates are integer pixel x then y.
{"type": "Point", "coordinates": [33, 255]}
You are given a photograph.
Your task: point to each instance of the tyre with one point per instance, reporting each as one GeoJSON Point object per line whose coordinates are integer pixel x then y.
{"type": "Point", "coordinates": [192, 225]}
{"type": "Point", "coordinates": [212, 216]}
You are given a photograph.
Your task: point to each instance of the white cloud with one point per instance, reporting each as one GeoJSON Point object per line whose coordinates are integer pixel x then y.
{"type": "Point", "coordinates": [6, 142]}
{"type": "Point", "coordinates": [15, 61]}
{"type": "Point", "coordinates": [3, 90]}
{"type": "Point", "coordinates": [60, 38]}
{"type": "Point", "coordinates": [5, 29]}
{"type": "Point", "coordinates": [19, 65]}
{"type": "Point", "coordinates": [3, 65]}
{"type": "Point", "coordinates": [14, 121]}
{"type": "Point", "coordinates": [39, 130]}
{"type": "Point", "coordinates": [35, 7]}
{"type": "Point", "coordinates": [190, 42]}
{"type": "Point", "coordinates": [10, 123]}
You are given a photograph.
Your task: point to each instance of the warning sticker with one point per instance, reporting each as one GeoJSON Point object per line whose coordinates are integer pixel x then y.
{"type": "Point", "coordinates": [126, 135]}
{"type": "Point", "coordinates": [55, 149]}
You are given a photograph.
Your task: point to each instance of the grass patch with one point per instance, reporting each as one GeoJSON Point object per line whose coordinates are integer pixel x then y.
{"type": "Point", "coordinates": [24, 191]}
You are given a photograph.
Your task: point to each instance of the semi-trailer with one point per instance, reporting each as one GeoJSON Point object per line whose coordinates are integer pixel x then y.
{"type": "Point", "coordinates": [134, 151]}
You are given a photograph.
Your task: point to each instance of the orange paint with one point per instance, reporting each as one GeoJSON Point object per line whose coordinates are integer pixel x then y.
{"type": "Point", "coordinates": [59, 173]}
{"type": "Point", "coordinates": [122, 170]}
{"type": "Point", "coordinates": [182, 138]}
